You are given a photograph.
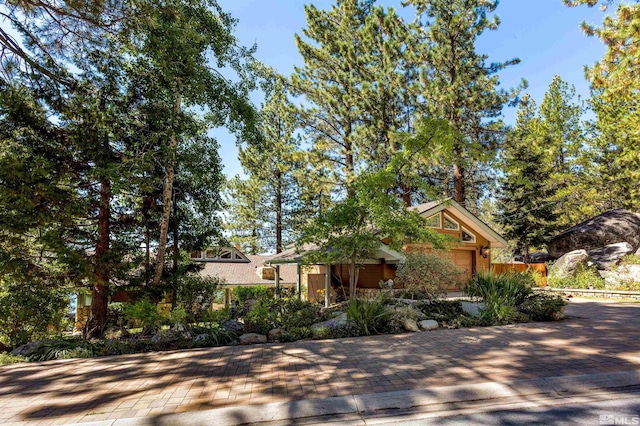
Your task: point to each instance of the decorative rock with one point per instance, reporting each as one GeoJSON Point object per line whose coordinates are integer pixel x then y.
{"type": "Point", "coordinates": [608, 228]}
{"type": "Point", "coordinates": [275, 334]}
{"type": "Point", "coordinates": [156, 338]}
{"type": "Point", "coordinates": [428, 324]}
{"type": "Point", "coordinates": [540, 257]}
{"type": "Point", "coordinates": [472, 308]}
{"type": "Point", "coordinates": [410, 324]}
{"type": "Point", "coordinates": [27, 348]}
{"type": "Point", "coordinates": [566, 265]}
{"type": "Point", "coordinates": [252, 339]}
{"type": "Point", "coordinates": [622, 275]}
{"type": "Point", "coordinates": [337, 321]}
{"type": "Point", "coordinates": [607, 257]}
{"type": "Point", "coordinates": [233, 326]}
{"type": "Point", "coordinates": [201, 337]}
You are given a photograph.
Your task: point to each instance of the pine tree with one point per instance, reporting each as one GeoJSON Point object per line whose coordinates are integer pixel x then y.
{"type": "Point", "coordinates": [459, 86]}
{"type": "Point", "coordinates": [246, 213]}
{"type": "Point", "coordinates": [526, 210]}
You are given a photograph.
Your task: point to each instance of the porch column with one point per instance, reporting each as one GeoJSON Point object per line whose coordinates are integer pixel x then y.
{"type": "Point", "coordinates": [277, 280]}
{"type": "Point", "coordinates": [299, 281]}
{"type": "Point", "coordinates": [327, 285]}
{"type": "Point", "coordinates": [227, 297]}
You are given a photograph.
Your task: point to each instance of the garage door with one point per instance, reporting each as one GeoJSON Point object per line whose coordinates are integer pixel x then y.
{"type": "Point", "coordinates": [463, 259]}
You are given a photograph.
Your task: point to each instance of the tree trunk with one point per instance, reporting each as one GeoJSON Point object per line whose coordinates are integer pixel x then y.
{"type": "Point", "coordinates": [458, 176]}
{"type": "Point", "coordinates": [278, 213]}
{"type": "Point", "coordinates": [176, 259]}
{"type": "Point", "coordinates": [100, 291]}
{"type": "Point", "coordinates": [352, 278]}
{"type": "Point", "coordinates": [167, 195]}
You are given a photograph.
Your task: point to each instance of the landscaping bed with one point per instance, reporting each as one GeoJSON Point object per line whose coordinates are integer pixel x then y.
{"type": "Point", "coordinates": [261, 318]}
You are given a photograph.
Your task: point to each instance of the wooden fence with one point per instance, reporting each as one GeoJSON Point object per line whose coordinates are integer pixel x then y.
{"type": "Point", "coordinates": [540, 268]}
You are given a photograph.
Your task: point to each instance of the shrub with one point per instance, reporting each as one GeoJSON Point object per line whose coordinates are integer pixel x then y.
{"type": "Point", "coordinates": [261, 319]}
{"type": "Point", "coordinates": [61, 349]}
{"type": "Point", "coordinates": [336, 332]}
{"type": "Point", "coordinates": [257, 292]}
{"type": "Point", "coordinates": [583, 278]}
{"type": "Point", "coordinates": [297, 333]}
{"type": "Point", "coordinates": [115, 315]}
{"type": "Point", "coordinates": [542, 307]}
{"type": "Point", "coordinates": [30, 310]}
{"type": "Point", "coordinates": [6, 358]}
{"type": "Point", "coordinates": [144, 314]}
{"type": "Point", "coordinates": [429, 273]}
{"type": "Point", "coordinates": [397, 316]}
{"type": "Point", "coordinates": [501, 294]}
{"type": "Point", "coordinates": [630, 259]}
{"type": "Point", "coordinates": [299, 313]}
{"type": "Point", "coordinates": [177, 316]}
{"type": "Point", "coordinates": [441, 310]}
{"type": "Point", "coordinates": [367, 316]}
{"type": "Point", "coordinates": [197, 294]}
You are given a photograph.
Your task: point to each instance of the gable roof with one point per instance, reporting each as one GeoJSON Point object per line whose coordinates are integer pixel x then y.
{"type": "Point", "coordinates": [427, 210]}
{"type": "Point", "coordinates": [242, 273]}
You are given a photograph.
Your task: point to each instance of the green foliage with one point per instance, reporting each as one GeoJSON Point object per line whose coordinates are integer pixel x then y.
{"type": "Point", "coordinates": [261, 319]}
{"type": "Point", "coordinates": [145, 314]}
{"type": "Point", "coordinates": [630, 259]}
{"type": "Point", "coordinates": [542, 307]}
{"type": "Point", "coordinates": [196, 294]}
{"type": "Point", "coordinates": [583, 277]}
{"type": "Point", "coordinates": [441, 310]}
{"type": "Point", "coordinates": [397, 316]}
{"type": "Point", "coordinates": [367, 316]}
{"type": "Point", "coordinates": [6, 358]}
{"type": "Point", "coordinates": [178, 316]}
{"type": "Point", "coordinates": [501, 295]}
{"type": "Point", "coordinates": [256, 292]}
{"type": "Point", "coordinates": [288, 313]}
{"type": "Point", "coordinates": [427, 273]}
{"type": "Point", "coordinates": [297, 333]}
{"type": "Point", "coordinates": [28, 309]}
{"type": "Point", "coordinates": [337, 332]}
{"type": "Point", "coordinates": [116, 315]}
{"type": "Point", "coordinates": [61, 349]}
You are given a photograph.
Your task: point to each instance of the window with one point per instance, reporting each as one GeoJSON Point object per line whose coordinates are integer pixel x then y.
{"type": "Point", "coordinates": [450, 223]}
{"type": "Point", "coordinates": [433, 221]}
{"type": "Point", "coordinates": [467, 236]}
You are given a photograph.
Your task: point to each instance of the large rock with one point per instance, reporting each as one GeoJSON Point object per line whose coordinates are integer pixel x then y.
{"type": "Point", "coordinates": [428, 324]}
{"type": "Point", "coordinates": [622, 275]}
{"type": "Point", "coordinates": [607, 257]}
{"type": "Point", "coordinates": [233, 326]}
{"type": "Point", "coordinates": [599, 231]}
{"type": "Point", "coordinates": [28, 348]}
{"type": "Point", "coordinates": [337, 321]}
{"type": "Point", "coordinates": [275, 335]}
{"type": "Point", "coordinates": [252, 339]}
{"type": "Point", "coordinates": [472, 308]}
{"type": "Point", "coordinates": [540, 257]}
{"type": "Point", "coordinates": [567, 264]}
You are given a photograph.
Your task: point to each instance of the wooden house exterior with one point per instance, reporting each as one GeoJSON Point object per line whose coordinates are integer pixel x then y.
{"type": "Point", "coordinates": [470, 251]}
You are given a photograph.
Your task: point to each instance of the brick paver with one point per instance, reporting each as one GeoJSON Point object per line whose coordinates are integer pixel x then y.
{"type": "Point", "coordinates": [595, 337]}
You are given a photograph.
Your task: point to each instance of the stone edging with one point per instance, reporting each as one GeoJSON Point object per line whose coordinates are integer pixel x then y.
{"type": "Point", "coordinates": [605, 294]}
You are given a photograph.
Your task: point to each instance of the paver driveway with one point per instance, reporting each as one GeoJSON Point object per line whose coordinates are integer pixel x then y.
{"type": "Point", "coordinates": [595, 337]}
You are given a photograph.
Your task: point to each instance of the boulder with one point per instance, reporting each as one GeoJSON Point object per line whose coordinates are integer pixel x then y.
{"type": "Point", "coordinates": [607, 257]}
{"type": "Point", "coordinates": [567, 264]}
{"type": "Point", "coordinates": [540, 257]}
{"type": "Point", "coordinates": [608, 228]}
{"type": "Point", "coordinates": [27, 348]}
{"type": "Point", "coordinates": [410, 324]}
{"type": "Point", "coordinates": [472, 308]}
{"type": "Point", "coordinates": [201, 337]}
{"type": "Point", "coordinates": [276, 334]}
{"type": "Point", "coordinates": [337, 321]}
{"type": "Point", "coordinates": [622, 275]}
{"type": "Point", "coordinates": [233, 326]}
{"type": "Point", "coordinates": [428, 324]}
{"type": "Point", "coordinates": [252, 339]}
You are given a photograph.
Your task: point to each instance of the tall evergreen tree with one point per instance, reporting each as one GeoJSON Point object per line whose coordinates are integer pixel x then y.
{"type": "Point", "coordinates": [458, 84]}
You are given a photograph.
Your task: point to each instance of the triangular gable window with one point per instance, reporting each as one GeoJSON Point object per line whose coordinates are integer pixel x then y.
{"type": "Point", "coordinates": [450, 223]}
{"type": "Point", "coordinates": [467, 236]}
{"type": "Point", "coordinates": [433, 221]}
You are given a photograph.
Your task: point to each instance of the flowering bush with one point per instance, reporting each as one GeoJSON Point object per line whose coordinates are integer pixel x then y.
{"type": "Point", "coordinates": [542, 307]}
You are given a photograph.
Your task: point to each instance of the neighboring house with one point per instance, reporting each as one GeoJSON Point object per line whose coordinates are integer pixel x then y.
{"type": "Point", "coordinates": [471, 254]}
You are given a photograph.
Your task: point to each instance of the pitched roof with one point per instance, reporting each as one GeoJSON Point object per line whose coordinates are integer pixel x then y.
{"type": "Point", "coordinates": [433, 207]}
{"type": "Point", "coordinates": [236, 273]}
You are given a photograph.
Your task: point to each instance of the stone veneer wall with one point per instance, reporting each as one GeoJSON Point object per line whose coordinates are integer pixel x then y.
{"type": "Point", "coordinates": [82, 315]}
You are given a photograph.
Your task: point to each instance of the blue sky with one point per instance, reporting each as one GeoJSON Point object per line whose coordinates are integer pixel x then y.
{"type": "Point", "coordinates": [544, 34]}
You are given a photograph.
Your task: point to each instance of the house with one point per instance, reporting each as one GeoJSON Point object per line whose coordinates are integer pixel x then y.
{"type": "Point", "coordinates": [470, 254]}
